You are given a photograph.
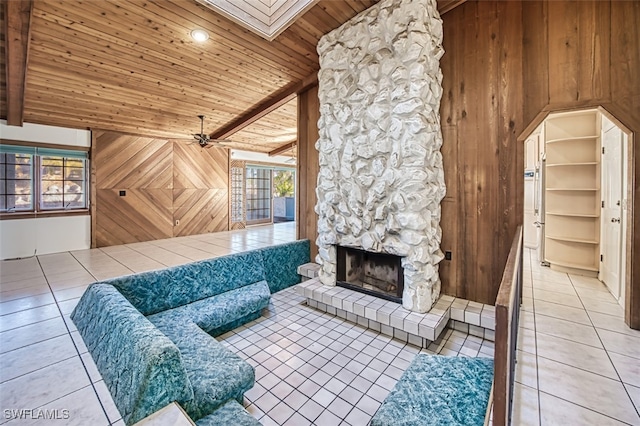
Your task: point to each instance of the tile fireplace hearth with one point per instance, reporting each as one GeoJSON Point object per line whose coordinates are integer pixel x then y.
{"type": "Point", "coordinates": [391, 318]}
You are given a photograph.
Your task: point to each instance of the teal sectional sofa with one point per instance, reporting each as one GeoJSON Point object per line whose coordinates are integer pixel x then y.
{"type": "Point", "coordinates": [151, 334]}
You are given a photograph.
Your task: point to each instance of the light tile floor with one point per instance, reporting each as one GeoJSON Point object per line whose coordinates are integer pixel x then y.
{"type": "Point", "coordinates": [578, 363]}
{"type": "Point", "coordinates": [304, 358]}
{"type": "Point", "coordinates": [315, 368]}
{"type": "Point", "coordinates": [43, 361]}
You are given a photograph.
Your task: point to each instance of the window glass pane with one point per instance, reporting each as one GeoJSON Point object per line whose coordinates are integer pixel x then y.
{"type": "Point", "coordinates": [15, 182]}
{"type": "Point", "coordinates": [51, 201]}
{"type": "Point", "coordinates": [258, 194]}
{"type": "Point", "coordinates": [63, 183]}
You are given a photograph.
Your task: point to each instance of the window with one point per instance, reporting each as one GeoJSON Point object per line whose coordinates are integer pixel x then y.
{"type": "Point", "coordinates": [237, 191]}
{"type": "Point", "coordinates": [258, 194]}
{"type": "Point", "coordinates": [16, 179]}
{"type": "Point", "coordinates": [62, 183]}
{"type": "Point", "coordinates": [57, 178]}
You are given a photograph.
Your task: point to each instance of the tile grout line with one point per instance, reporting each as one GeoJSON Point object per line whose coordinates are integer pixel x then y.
{"type": "Point", "coordinates": [586, 408]}
{"type": "Point", "coordinates": [75, 345]}
{"type": "Point", "coordinates": [118, 261]}
{"type": "Point", "coordinates": [148, 257]}
{"type": "Point", "coordinates": [535, 333]}
{"type": "Point", "coordinates": [83, 267]}
{"type": "Point", "coordinates": [109, 256]}
{"type": "Point", "coordinates": [213, 255]}
{"type": "Point", "coordinates": [337, 396]}
{"type": "Point", "coordinates": [328, 320]}
{"type": "Point", "coordinates": [637, 409]}
{"type": "Point", "coordinates": [39, 341]}
{"type": "Point", "coordinates": [564, 338]}
{"type": "Point", "coordinates": [43, 367]}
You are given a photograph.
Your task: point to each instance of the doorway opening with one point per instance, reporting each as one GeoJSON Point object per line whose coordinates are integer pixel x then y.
{"type": "Point", "coordinates": [284, 202]}
{"type": "Point", "coordinates": [260, 192]}
{"type": "Point", "coordinates": [577, 195]}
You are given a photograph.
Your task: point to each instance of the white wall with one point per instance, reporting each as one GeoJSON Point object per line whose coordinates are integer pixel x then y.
{"type": "Point", "coordinates": [26, 237]}
{"type": "Point", "coordinates": [262, 158]}
{"type": "Point", "coordinates": [45, 134]}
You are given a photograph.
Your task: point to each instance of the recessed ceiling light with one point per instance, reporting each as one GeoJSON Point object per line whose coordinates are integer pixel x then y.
{"type": "Point", "coordinates": [199, 35]}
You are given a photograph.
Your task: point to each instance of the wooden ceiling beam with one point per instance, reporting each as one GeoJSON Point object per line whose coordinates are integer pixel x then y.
{"type": "Point", "coordinates": [17, 18]}
{"type": "Point", "coordinates": [284, 148]}
{"type": "Point", "coordinates": [265, 107]}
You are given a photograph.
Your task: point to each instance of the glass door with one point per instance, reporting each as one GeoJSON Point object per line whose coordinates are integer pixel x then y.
{"type": "Point", "coordinates": [258, 190]}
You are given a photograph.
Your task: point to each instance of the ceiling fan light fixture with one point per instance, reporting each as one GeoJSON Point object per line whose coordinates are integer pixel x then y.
{"type": "Point", "coordinates": [199, 35]}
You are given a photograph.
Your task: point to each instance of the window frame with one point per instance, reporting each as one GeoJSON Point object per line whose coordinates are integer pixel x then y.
{"type": "Point", "coordinates": [85, 181]}
{"type": "Point", "coordinates": [50, 150]}
{"type": "Point", "coordinates": [255, 200]}
{"type": "Point", "coordinates": [31, 183]}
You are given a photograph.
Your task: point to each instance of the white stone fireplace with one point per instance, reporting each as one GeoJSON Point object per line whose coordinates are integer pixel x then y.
{"type": "Point", "coordinates": [381, 180]}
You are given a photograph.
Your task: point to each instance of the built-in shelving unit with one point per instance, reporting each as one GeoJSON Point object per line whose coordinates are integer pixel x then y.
{"type": "Point", "coordinates": [572, 191]}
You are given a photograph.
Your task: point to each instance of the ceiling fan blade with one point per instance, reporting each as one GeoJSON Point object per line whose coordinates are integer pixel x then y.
{"type": "Point", "coordinates": [203, 139]}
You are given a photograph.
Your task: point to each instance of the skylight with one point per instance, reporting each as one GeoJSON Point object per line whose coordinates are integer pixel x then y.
{"type": "Point", "coordinates": [267, 18]}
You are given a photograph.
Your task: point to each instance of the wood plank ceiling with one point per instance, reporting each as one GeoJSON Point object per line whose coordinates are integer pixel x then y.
{"type": "Point", "coordinates": [131, 66]}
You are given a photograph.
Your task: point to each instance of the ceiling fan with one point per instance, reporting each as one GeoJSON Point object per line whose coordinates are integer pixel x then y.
{"type": "Point", "coordinates": [204, 140]}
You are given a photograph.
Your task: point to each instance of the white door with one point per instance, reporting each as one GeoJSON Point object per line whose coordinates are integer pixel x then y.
{"type": "Point", "coordinates": [611, 228]}
{"type": "Point", "coordinates": [530, 160]}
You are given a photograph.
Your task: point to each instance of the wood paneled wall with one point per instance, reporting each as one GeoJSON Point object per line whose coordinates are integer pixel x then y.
{"type": "Point", "coordinates": [200, 189]}
{"type": "Point", "coordinates": [506, 62]}
{"type": "Point", "coordinates": [308, 166]}
{"type": "Point", "coordinates": [481, 114]}
{"type": "Point", "coordinates": [584, 54]}
{"type": "Point", "coordinates": [164, 181]}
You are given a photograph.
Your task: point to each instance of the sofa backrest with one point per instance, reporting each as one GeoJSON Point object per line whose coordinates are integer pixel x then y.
{"type": "Point", "coordinates": [281, 263]}
{"type": "Point", "coordinates": [155, 291]}
{"type": "Point", "coordinates": [141, 367]}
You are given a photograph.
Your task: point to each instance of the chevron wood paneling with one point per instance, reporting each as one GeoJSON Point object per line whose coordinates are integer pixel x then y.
{"type": "Point", "coordinates": [196, 167]}
{"type": "Point", "coordinates": [172, 188]}
{"type": "Point", "coordinates": [141, 215]}
{"type": "Point", "coordinates": [125, 161]}
{"type": "Point", "coordinates": [199, 211]}
{"type": "Point", "coordinates": [200, 194]}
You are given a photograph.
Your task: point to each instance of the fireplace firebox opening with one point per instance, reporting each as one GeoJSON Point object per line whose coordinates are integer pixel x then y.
{"type": "Point", "coordinates": [376, 274]}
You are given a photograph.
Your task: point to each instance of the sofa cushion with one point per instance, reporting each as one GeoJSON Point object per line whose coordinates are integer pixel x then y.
{"type": "Point", "coordinates": [157, 291]}
{"type": "Point", "coordinates": [231, 413]}
{"type": "Point", "coordinates": [439, 390]}
{"type": "Point", "coordinates": [281, 263]}
{"type": "Point", "coordinates": [141, 367]}
{"type": "Point", "coordinates": [216, 374]}
{"type": "Point", "coordinates": [215, 312]}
